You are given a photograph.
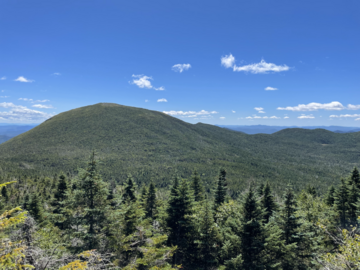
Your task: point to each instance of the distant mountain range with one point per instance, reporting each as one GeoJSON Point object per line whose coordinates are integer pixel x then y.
{"type": "Point", "coordinates": [257, 129]}
{"type": "Point", "coordinates": [153, 146]}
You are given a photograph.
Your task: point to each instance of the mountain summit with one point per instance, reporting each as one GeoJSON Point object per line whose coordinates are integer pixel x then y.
{"type": "Point", "coordinates": [152, 145]}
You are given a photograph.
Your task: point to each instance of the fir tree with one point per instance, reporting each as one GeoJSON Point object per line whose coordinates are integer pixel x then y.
{"type": "Point", "coordinates": [60, 194]}
{"type": "Point", "coordinates": [330, 196]}
{"type": "Point", "coordinates": [355, 178]}
{"type": "Point", "coordinates": [5, 194]}
{"type": "Point", "coordinates": [143, 197]}
{"type": "Point", "coordinates": [26, 202]}
{"type": "Point", "coordinates": [197, 187]}
{"type": "Point", "coordinates": [178, 220]}
{"type": "Point", "coordinates": [220, 192]}
{"type": "Point", "coordinates": [111, 196]}
{"type": "Point", "coordinates": [209, 238]}
{"type": "Point", "coordinates": [150, 207]}
{"type": "Point", "coordinates": [260, 190]}
{"type": "Point", "coordinates": [311, 190]}
{"type": "Point", "coordinates": [353, 198]}
{"type": "Point", "coordinates": [341, 202]}
{"type": "Point", "coordinates": [252, 232]}
{"type": "Point", "coordinates": [268, 202]}
{"type": "Point", "coordinates": [35, 208]}
{"type": "Point", "coordinates": [91, 196]}
{"type": "Point", "coordinates": [129, 193]}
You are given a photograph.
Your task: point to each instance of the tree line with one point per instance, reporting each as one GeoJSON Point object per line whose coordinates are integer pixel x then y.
{"type": "Point", "coordinates": [90, 224]}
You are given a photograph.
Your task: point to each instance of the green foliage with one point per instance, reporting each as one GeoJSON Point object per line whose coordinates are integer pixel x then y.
{"type": "Point", "coordinates": [150, 206]}
{"type": "Point", "coordinates": [221, 189]}
{"type": "Point", "coordinates": [268, 202]}
{"type": "Point", "coordinates": [341, 203]}
{"type": "Point", "coordinates": [197, 187]}
{"type": "Point", "coordinates": [129, 194]}
{"type": "Point", "coordinates": [330, 196]}
{"type": "Point", "coordinates": [35, 208]}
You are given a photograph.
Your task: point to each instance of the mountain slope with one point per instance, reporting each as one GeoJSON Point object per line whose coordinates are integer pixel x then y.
{"type": "Point", "coordinates": [152, 145]}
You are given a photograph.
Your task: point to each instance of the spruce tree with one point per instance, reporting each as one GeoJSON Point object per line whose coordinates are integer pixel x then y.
{"type": "Point", "coordinates": [341, 203]}
{"type": "Point", "coordinates": [35, 208]}
{"type": "Point", "coordinates": [59, 198]}
{"type": "Point", "coordinates": [252, 232]}
{"type": "Point", "coordinates": [355, 178]}
{"type": "Point", "coordinates": [289, 223]}
{"type": "Point", "coordinates": [111, 197]}
{"type": "Point", "coordinates": [197, 187]}
{"type": "Point", "coordinates": [260, 190]}
{"type": "Point", "coordinates": [268, 202]}
{"type": "Point", "coordinates": [129, 193]}
{"type": "Point", "coordinates": [150, 207]}
{"type": "Point", "coordinates": [221, 190]}
{"type": "Point", "coordinates": [143, 196]}
{"type": "Point", "coordinates": [91, 196]}
{"type": "Point", "coordinates": [26, 202]}
{"type": "Point", "coordinates": [5, 194]}
{"type": "Point", "coordinates": [352, 202]}
{"type": "Point", "coordinates": [209, 238]}
{"type": "Point", "coordinates": [311, 190]}
{"type": "Point", "coordinates": [330, 196]}
{"type": "Point", "coordinates": [178, 220]}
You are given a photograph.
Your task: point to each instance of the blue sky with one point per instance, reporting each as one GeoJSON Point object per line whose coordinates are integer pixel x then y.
{"type": "Point", "coordinates": [201, 61]}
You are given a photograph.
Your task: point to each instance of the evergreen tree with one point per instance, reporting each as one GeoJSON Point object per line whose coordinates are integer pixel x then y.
{"type": "Point", "coordinates": [150, 207]}
{"type": "Point", "coordinates": [91, 196]}
{"type": "Point", "coordinates": [111, 196]}
{"type": "Point", "coordinates": [35, 208]}
{"type": "Point", "coordinates": [143, 197]}
{"type": "Point", "coordinates": [209, 238]}
{"type": "Point", "coordinates": [221, 190]}
{"type": "Point", "coordinates": [311, 190]}
{"type": "Point", "coordinates": [268, 202]}
{"type": "Point", "coordinates": [129, 193]}
{"type": "Point", "coordinates": [5, 194]}
{"type": "Point", "coordinates": [341, 202]}
{"type": "Point", "coordinates": [260, 190]}
{"type": "Point", "coordinates": [59, 198]}
{"type": "Point", "coordinates": [290, 224]}
{"type": "Point", "coordinates": [252, 232]}
{"type": "Point", "coordinates": [197, 187]}
{"type": "Point", "coordinates": [330, 196]}
{"type": "Point", "coordinates": [353, 199]}
{"type": "Point", "coordinates": [178, 220]}
{"type": "Point", "coordinates": [26, 202]}
{"type": "Point", "coordinates": [355, 178]}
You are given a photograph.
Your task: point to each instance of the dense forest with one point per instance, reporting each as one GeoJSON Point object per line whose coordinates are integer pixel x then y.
{"type": "Point", "coordinates": [83, 222]}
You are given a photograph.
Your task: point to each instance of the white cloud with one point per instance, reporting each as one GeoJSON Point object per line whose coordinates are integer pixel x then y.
{"type": "Point", "coordinates": [263, 117]}
{"type": "Point", "coordinates": [222, 117]}
{"type": "Point", "coordinates": [345, 116]}
{"type": "Point", "coordinates": [249, 117]}
{"type": "Point", "coordinates": [274, 117]}
{"type": "Point", "coordinates": [259, 109]}
{"type": "Point", "coordinates": [23, 79]}
{"type": "Point", "coordinates": [353, 107]}
{"type": "Point", "coordinates": [303, 116]}
{"type": "Point", "coordinates": [146, 100]}
{"type": "Point", "coordinates": [261, 67]}
{"type": "Point", "coordinates": [26, 99]}
{"type": "Point", "coordinates": [143, 81]}
{"type": "Point", "coordinates": [261, 112]}
{"type": "Point", "coordinates": [180, 67]}
{"type": "Point", "coordinates": [4, 96]}
{"type": "Point", "coordinates": [269, 88]}
{"type": "Point", "coordinates": [3, 78]}
{"type": "Point", "coordinates": [19, 113]}
{"type": "Point", "coordinates": [44, 100]}
{"type": "Point", "coordinates": [233, 111]}
{"type": "Point", "coordinates": [201, 113]}
{"type": "Point", "coordinates": [357, 119]}
{"type": "Point", "coordinates": [56, 74]}
{"type": "Point", "coordinates": [161, 100]}
{"type": "Point", "coordinates": [286, 117]}
{"type": "Point", "coordinates": [228, 61]}
{"type": "Point", "coordinates": [41, 106]}
{"type": "Point", "coordinates": [332, 106]}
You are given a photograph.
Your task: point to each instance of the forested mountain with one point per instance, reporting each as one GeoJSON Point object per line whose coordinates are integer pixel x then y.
{"type": "Point", "coordinates": [153, 146]}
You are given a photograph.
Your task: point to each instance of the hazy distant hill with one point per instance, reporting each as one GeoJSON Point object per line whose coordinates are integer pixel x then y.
{"type": "Point", "coordinates": [152, 145]}
{"type": "Point", "coordinates": [256, 129]}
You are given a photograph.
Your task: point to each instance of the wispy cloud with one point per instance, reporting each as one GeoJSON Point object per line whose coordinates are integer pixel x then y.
{"type": "Point", "coordinates": [4, 96]}
{"type": "Point", "coordinates": [286, 117]}
{"type": "Point", "coordinates": [357, 119]}
{"type": "Point", "coordinates": [259, 109]}
{"type": "Point", "coordinates": [228, 61]}
{"type": "Point", "coordinates": [345, 116]}
{"type": "Point", "coordinates": [332, 106]}
{"type": "Point", "coordinates": [269, 88]}
{"type": "Point", "coordinates": [303, 116]}
{"type": "Point", "coordinates": [180, 67]}
{"type": "Point", "coordinates": [233, 111]}
{"type": "Point", "coordinates": [26, 99]}
{"type": "Point", "coordinates": [56, 74]}
{"type": "Point", "coordinates": [222, 117]}
{"type": "Point", "coordinates": [23, 79]}
{"type": "Point", "coordinates": [19, 113]}
{"type": "Point", "coordinates": [3, 78]}
{"type": "Point", "coordinates": [353, 107]}
{"type": "Point", "coordinates": [201, 113]}
{"type": "Point", "coordinates": [143, 81]}
{"type": "Point", "coordinates": [162, 100]}
{"type": "Point", "coordinates": [146, 100]}
{"type": "Point", "coordinates": [262, 117]}
{"type": "Point", "coordinates": [41, 106]}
